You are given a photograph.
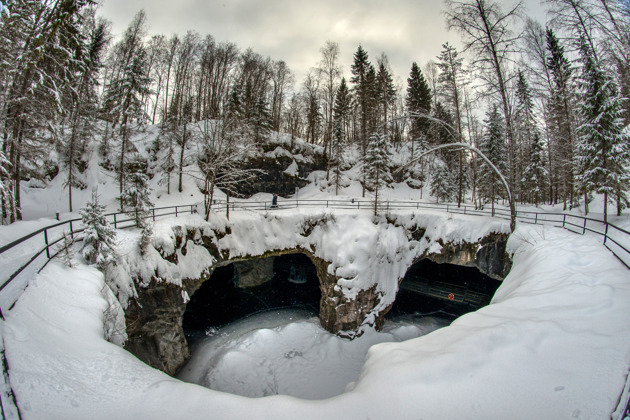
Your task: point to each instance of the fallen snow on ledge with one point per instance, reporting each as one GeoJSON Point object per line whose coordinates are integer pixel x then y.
{"type": "Point", "coordinates": [554, 344]}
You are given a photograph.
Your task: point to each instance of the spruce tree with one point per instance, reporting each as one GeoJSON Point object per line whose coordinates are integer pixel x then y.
{"type": "Point", "coordinates": [442, 183]}
{"type": "Point", "coordinates": [603, 152]}
{"type": "Point", "coordinates": [136, 198]}
{"type": "Point", "coordinates": [493, 146]}
{"type": "Point", "coordinates": [123, 101]}
{"type": "Point", "coordinates": [418, 101]}
{"type": "Point", "coordinates": [376, 165]}
{"type": "Point", "coordinates": [562, 133]}
{"type": "Point", "coordinates": [341, 112]}
{"type": "Point", "coordinates": [360, 68]}
{"type": "Point", "coordinates": [535, 175]}
{"type": "Point", "coordinates": [385, 91]}
{"type": "Point", "coordinates": [99, 238]}
{"type": "Point", "coordinates": [524, 130]}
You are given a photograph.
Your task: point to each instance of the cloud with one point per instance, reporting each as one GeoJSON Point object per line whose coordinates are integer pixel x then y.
{"type": "Point", "coordinates": [405, 30]}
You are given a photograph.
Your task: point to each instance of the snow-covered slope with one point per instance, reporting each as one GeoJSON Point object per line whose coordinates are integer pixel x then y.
{"type": "Point", "coordinates": [553, 344]}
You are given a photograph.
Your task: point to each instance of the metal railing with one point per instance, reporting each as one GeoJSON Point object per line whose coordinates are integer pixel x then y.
{"type": "Point", "coordinates": [27, 252]}
{"type": "Point", "coordinates": [616, 239]}
{"type": "Point", "coordinates": [37, 248]}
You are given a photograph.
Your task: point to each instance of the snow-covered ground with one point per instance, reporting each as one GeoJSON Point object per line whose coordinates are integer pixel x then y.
{"type": "Point", "coordinates": [553, 344]}
{"type": "Point", "coordinates": [287, 352]}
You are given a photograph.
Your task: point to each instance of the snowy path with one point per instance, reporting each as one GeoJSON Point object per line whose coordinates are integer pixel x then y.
{"type": "Point", "coordinates": [554, 344]}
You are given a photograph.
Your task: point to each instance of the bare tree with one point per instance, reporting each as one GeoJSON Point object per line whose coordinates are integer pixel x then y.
{"type": "Point", "coordinates": [487, 35]}
{"type": "Point", "coordinates": [329, 72]}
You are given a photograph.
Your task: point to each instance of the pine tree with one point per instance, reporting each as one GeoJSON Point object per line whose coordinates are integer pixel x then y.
{"type": "Point", "coordinates": [494, 148]}
{"type": "Point", "coordinates": [136, 198]}
{"type": "Point", "coordinates": [341, 112]}
{"type": "Point", "coordinates": [99, 238]}
{"type": "Point", "coordinates": [376, 165]}
{"type": "Point", "coordinates": [535, 175]}
{"type": "Point", "coordinates": [442, 183]}
{"type": "Point", "coordinates": [603, 151]}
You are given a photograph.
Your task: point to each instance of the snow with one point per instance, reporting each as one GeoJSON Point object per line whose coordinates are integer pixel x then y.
{"type": "Point", "coordinates": [305, 360]}
{"type": "Point", "coordinates": [292, 170]}
{"type": "Point", "coordinates": [553, 343]}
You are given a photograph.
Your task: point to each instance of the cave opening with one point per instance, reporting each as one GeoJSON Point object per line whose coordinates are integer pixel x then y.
{"type": "Point", "coordinates": [241, 289]}
{"type": "Point", "coordinates": [442, 290]}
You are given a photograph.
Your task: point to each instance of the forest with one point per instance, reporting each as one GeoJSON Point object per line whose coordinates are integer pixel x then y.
{"type": "Point", "coordinates": [553, 100]}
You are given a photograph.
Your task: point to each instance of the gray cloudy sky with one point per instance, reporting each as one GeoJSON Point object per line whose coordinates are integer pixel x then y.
{"type": "Point", "coordinates": [294, 31]}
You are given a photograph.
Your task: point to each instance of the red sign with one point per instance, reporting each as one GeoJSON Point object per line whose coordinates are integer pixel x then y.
{"type": "Point", "coordinates": [451, 296]}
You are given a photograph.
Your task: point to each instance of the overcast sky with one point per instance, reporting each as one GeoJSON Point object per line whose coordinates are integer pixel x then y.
{"type": "Point", "coordinates": [294, 31]}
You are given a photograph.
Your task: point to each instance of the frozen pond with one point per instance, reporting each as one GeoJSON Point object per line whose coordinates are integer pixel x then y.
{"type": "Point", "coordinates": [287, 352]}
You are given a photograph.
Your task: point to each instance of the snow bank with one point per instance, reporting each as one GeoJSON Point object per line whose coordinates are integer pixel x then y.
{"type": "Point", "coordinates": [553, 344]}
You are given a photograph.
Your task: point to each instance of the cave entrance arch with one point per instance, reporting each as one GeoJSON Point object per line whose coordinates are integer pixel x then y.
{"type": "Point", "coordinates": [442, 290]}
{"type": "Point", "coordinates": [243, 288]}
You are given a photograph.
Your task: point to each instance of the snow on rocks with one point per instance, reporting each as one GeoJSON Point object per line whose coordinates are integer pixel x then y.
{"type": "Point", "coordinates": [554, 343]}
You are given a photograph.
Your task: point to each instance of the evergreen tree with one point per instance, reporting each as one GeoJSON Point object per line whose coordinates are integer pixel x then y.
{"type": "Point", "coordinates": [84, 105]}
{"type": "Point", "coordinates": [136, 198]}
{"type": "Point", "coordinates": [442, 183]}
{"type": "Point", "coordinates": [362, 89]}
{"type": "Point", "coordinates": [341, 113]}
{"type": "Point", "coordinates": [99, 238]}
{"type": "Point", "coordinates": [376, 165]}
{"type": "Point", "coordinates": [39, 43]}
{"type": "Point", "coordinates": [123, 100]}
{"type": "Point", "coordinates": [261, 121]}
{"type": "Point", "coordinates": [535, 175]}
{"type": "Point", "coordinates": [418, 101]}
{"type": "Point", "coordinates": [64, 249]}
{"type": "Point", "coordinates": [385, 91]}
{"type": "Point", "coordinates": [494, 148]}
{"type": "Point", "coordinates": [603, 152]}
{"type": "Point", "coordinates": [562, 133]}
{"type": "Point", "coordinates": [451, 81]}
{"type": "Point", "coordinates": [524, 130]}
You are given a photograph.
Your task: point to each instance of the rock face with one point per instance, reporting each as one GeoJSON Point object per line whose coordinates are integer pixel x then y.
{"type": "Point", "coordinates": [274, 161]}
{"type": "Point", "coordinates": [488, 255]}
{"type": "Point", "coordinates": [251, 273]}
{"type": "Point", "coordinates": [154, 318]}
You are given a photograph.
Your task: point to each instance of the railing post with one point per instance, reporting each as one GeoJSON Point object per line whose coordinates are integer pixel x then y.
{"type": "Point", "coordinates": [175, 211]}
{"type": "Point", "coordinates": [115, 227]}
{"type": "Point", "coordinates": [536, 218]}
{"type": "Point", "coordinates": [71, 230]}
{"type": "Point", "coordinates": [46, 240]}
{"type": "Point", "coordinates": [584, 227]}
{"type": "Point", "coordinates": [606, 234]}
{"type": "Point", "coordinates": [153, 211]}
{"type": "Point", "coordinates": [564, 219]}
{"type": "Point", "coordinates": [326, 203]}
